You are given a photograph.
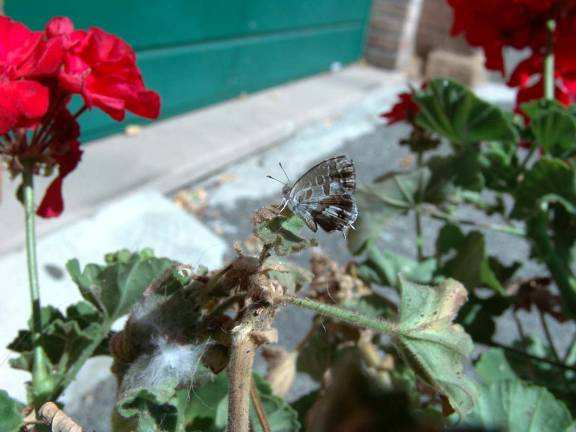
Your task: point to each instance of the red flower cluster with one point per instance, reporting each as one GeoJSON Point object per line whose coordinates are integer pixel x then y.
{"type": "Point", "coordinates": [496, 24]}
{"type": "Point", "coordinates": [404, 110]}
{"type": "Point", "coordinates": [40, 71]}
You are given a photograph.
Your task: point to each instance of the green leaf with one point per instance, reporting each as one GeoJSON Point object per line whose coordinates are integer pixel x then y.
{"type": "Point", "coordinates": [383, 267]}
{"type": "Point", "coordinates": [516, 406]}
{"type": "Point", "coordinates": [65, 339]}
{"type": "Point", "coordinates": [453, 111]}
{"type": "Point", "coordinates": [493, 366]}
{"type": "Point", "coordinates": [470, 265]}
{"type": "Point", "coordinates": [11, 419]}
{"type": "Point", "coordinates": [478, 316]}
{"type": "Point", "coordinates": [280, 232]}
{"type": "Point", "coordinates": [429, 341]}
{"type": "Point", "coordinates": [500, 165]}
{"type": "Point", "coordinates": [549, 181]}
{"type": "Point", "coordinates": [316, 355]}
{"type": "Point", "coordinates": [555, 132]}
{"type": "Point", "coordinates": [116, 287]}
{"type": "Point", "coordinates": [390, 196]}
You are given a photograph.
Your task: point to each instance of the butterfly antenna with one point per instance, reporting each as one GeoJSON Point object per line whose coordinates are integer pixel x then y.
{"type": "Point", "coordinates": [279, 181]}
{"type": "Point", "coordinates": [281, 167]}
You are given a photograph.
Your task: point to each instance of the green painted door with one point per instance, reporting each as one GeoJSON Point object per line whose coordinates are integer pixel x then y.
{"type": "Point", "coordinates": [198, 52]}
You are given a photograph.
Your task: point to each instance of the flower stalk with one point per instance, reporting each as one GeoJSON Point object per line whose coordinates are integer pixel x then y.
{"type": "Point", "coordinates": [41, 385]}
{"type": "Point", "coordinates": [549, 61]}
{"type": "Point", "coordinates": [345, 315]}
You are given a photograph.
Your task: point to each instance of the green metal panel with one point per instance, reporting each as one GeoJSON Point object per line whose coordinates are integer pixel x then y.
{"type": "Point", "coordinates": [197, 52]}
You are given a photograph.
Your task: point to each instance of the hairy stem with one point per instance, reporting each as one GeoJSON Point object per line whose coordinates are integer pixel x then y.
{"type": "Point", "coordinates": [345, 315]}
{"type": "Point", "coordinates": [549, 61]}
{"type": "Point", "coordinates": [242, 355]}
{"type": "Point", "coordinates": [41, 382]}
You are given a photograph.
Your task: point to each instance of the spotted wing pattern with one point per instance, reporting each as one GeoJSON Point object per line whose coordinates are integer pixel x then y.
{"type": "Point", "coordinates": [323, 195]}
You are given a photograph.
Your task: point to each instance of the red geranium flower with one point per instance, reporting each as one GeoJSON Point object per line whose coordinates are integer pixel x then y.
{"type": "Point", "coordinates": [102, 68]}
{"type": "Point", "coordinates": [494, 25]}
{"type": "Point", "coordinates": [24, 55]}
{"type": "Point", "coordinates": [39, 73]}
{"type": "Point", "coordinates": [404, 110]}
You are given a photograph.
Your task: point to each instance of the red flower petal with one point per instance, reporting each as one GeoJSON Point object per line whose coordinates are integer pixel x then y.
{"type": "Point", "coordinates": [404, 110]}
{"type": "Point", "coordinates": [52, 204]}
{"type": "Point", "coordinates": [59, 26]}
{"type": "Point", "coordinates": [102, 68]}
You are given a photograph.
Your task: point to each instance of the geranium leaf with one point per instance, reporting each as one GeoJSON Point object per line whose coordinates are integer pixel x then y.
{"type": "Point", "coordinates": [454, 112]}
{"type": "Point", "coordinates": [549, 181]}
{"type": "Point", "coordinates": [383, 267]}
{"type": "Point", "coordinates": [493, 366]}
{"type": "Point", "coordinates": [392, 195]}
{"type": "Point", "coordinates": [115, 288]}
{"type": "Point", "coordinates": [11, 419]}
{"type": "Point", "coordinates": [66, 339]}
{"type": "Point", "coordinates": [516, 406]}
{"type": "Point", "coordinates": [555, 132]}
{"type": "Point", "coordinates": [429, 341]}
{"type": "Point", "coordinates": [470, 265]}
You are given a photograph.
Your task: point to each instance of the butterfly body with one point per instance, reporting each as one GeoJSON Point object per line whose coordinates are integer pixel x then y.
{"type": "Point", "coordinates": [323, 195]}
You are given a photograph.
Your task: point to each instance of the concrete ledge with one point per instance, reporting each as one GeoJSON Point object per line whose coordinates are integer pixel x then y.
{"type": "Point", "coordinates": [176, 151]}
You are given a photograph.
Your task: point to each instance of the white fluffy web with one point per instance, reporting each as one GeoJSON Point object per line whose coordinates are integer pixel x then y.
{"type": "Point", "coordinates": [168, 366]}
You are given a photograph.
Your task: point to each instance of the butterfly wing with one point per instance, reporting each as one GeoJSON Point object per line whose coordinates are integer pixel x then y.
{"type": "Point", "coordinates": [323, 195]}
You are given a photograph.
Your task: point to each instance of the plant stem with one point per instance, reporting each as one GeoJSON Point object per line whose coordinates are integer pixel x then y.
{"type": "Point", "coordinates": [549, 61]}
{"type": "Point", "coordinates": [242, 355]}
{"type": "Point", "coordinates": [347, 316]}
{"type": "Point", "coordinates": [529, 155]}
{"type": "Point", "coordinates": [548, 335]}
{"type": "Point", "coordinates": [40, 375]}
{"type": "Point", "coordinates": [531, 356]}
{"type": "Point", "coordinates": [418, 212]}
{"type": "Point", "coordinates": [440, 215]}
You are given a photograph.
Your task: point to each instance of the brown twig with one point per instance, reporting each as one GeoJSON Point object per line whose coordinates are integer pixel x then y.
{"type": "Point", "coordinates": [259, 407]}
{"type": "Point", "coordinates": [242, 355]}
{"type": "Point", "coordinates": [50, 415]}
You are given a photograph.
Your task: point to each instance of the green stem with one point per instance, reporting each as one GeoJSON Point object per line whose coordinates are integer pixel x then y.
{"type": "Point", "coordinates": [549, 62]}
{"type": "Point", "coordinates": [548, 335]}
{"type": "Point", "coordinates": [347, 316]}
{"type": "Point", "coordinates": [418, 211]}
{"type": "Point", "coordinates": [41, 382]}
{"type": "Point", "coordinates": [529, 155]}
{"type": "Point", "coordinates": [521, 353]}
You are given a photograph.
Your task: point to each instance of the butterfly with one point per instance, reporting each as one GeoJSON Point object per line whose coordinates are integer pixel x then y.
{"type": "Point", "coordinates": [323, 195]}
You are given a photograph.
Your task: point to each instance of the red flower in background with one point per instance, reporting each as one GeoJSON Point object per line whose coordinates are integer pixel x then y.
{"type": "Point", "coordinates": [496, 24]}
{"type": "Point", "coordinates": [102, 68]}
{"type": "Point", "coordinates": [404, 110]}
{"type": "Point", "coordinates": [39, 74]}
